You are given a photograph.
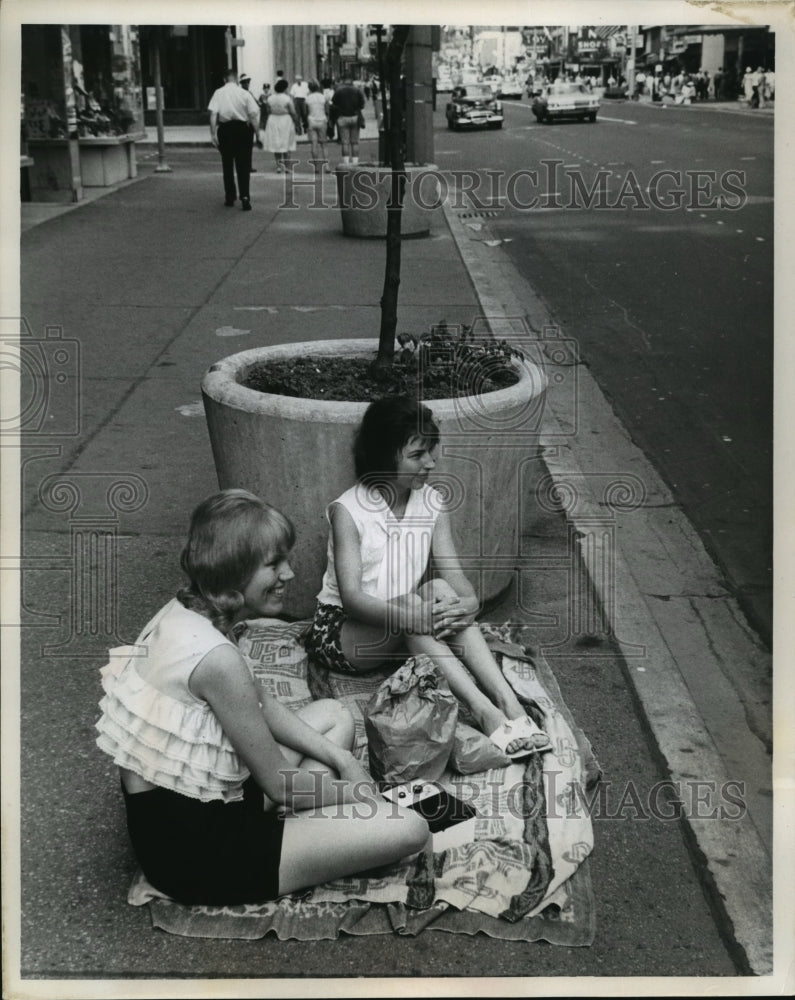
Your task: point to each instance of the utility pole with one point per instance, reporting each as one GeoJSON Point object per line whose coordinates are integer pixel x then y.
{"type": "Point", "coordinates": [419, 95]}
{"type": "Point", "coordinates": [162, 167]}
{"type": "Point", "coordinates": [630, 60]}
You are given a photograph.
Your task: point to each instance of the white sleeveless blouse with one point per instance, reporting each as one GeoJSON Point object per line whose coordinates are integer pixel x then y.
{"type": "Point", "coordinates": [394, 551]}
{"type": "Point", "coordinates": [153, 725]}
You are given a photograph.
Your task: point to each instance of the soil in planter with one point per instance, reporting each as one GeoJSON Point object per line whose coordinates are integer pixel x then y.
{"type": "Point", "coordinates": [352, 380]}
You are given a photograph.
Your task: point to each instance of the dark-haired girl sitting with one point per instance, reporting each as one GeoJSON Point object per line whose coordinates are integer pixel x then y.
{"type": "Point", "coordinates": [388, 534]}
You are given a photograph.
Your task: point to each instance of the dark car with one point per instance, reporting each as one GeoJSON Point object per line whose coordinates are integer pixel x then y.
{"type": "Point", "coordinates": [474, 106]}
{"type": "Point", "coordinates": [565, 100]}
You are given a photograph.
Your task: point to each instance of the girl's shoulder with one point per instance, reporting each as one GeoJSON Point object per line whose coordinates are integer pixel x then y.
{"type": "Point", "coordinates": [432, 499]}
{"type": "Point", "coordinates": [360, 500]}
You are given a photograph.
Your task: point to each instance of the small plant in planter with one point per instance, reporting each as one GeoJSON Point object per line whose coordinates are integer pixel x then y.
{"type": "Point", "coordinates": [447, 362]}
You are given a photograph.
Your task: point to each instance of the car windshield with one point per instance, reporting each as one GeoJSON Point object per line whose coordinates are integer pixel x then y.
{"type": "Point", "coordinates": [476, 92]}
{"type": "Point", "coordinates": [561, 87]}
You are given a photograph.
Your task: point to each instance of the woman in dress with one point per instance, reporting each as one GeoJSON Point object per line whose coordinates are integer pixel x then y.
{"type": "Point", "coordinates": [280, 132]}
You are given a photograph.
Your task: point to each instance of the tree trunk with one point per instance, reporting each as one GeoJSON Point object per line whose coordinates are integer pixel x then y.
{"type": "Point", "coordinates": [379, 33]}
{"type": "Point", "coordinates": [389, 297]}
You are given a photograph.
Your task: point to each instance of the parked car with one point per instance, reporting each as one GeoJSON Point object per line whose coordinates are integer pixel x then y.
{"type": "Point", "coordinates": [565, 100]}
{"type": "Point", "coordinates": [510, 88]}
{"type": "Point", "coordinates": [474, 106]}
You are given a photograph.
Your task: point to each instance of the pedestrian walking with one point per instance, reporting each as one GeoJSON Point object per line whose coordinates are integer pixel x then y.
{"type": "Point", "coordinates": [717, 83]}
{"type": "Point", "coordinates": [262, 100]}
{"type": "Point", "coordinates": [761, 88]}
{"type": "Point", "coordinates": [317, 122]}
{"type": "Point", "coordinates": [279, 137]}
{"type": "Point", "coordinates": [328, 92]}
{"type": "Point", "coordinates": [299, 93]}
{"type": "Point", "coordinates": [348, 103]}
{"type": "Point", "coordinates": [234, 118]}
{"type": "Point", "coordinates": [749, 83]}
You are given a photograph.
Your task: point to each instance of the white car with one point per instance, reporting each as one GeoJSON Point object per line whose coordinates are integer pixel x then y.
{"type": "Point", "coordinates": [562, 99]}
{"type": "Point", "coordinates": [510, 88]}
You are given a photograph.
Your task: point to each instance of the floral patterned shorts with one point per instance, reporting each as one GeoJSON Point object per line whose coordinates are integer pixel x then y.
{"type": "Point", "coordinates": [322, 641]}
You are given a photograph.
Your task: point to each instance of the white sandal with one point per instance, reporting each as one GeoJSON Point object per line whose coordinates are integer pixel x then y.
{"type": "Point", "coordinates": [516, 729]}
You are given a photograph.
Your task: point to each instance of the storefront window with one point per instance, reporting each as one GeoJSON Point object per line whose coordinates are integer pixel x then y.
{"type": "Point", "coordinates": [106, 79]}
{"type": "Point", "coordinates": [43, 101]}
{"type": "Point", "coordinates": [84, 78]}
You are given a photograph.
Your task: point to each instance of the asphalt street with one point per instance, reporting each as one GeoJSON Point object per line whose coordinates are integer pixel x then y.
{"type": "Point", "coordinates": [669, 297]}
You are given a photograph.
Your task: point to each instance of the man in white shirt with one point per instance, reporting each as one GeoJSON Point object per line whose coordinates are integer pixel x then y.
{"type": "Point", "coordinates": [299, 93]}
{"type": "Point", "coordinates": [234, 120]}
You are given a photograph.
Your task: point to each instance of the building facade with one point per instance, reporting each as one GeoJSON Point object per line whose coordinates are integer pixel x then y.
{"type": "Point", "coordinates": [194, 57]}
{"type": "Point", "coordinates": [82, 108]}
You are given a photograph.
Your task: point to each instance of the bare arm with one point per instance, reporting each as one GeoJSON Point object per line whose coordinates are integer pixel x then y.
{"type": "Point", "coordinates": [348, 566]}
{"type": "Point", "coordinates": [253, 112]}
{"type": "Point", "coordinates": [246, 715]}
{"type": "Point", "coordinates": [447, 566]}
{"type": "Point", "coordinates": [214, 127]}
{"type": "Point", "coordinates": [293, 113]}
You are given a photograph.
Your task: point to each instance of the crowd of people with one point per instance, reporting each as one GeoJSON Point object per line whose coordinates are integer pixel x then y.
{"type": "Point", "coordinates": [321, 110]}
{"type": "Point", "coordinates": [756, 87]}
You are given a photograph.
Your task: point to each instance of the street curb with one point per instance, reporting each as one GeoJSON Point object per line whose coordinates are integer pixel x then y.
{"type": "Point", "coordinates": [730, 855]}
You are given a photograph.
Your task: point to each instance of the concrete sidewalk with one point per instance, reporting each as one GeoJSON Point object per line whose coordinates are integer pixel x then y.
{"type": "Point", "coordinates": [149, 286]}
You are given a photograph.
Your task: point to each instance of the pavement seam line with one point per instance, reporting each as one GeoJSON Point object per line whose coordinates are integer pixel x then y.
{"type": "Point", "coordinates": [735, 853]}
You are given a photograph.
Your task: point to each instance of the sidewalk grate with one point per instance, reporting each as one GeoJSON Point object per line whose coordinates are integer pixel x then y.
{"type": "Point", "coordinates": [480, 215]}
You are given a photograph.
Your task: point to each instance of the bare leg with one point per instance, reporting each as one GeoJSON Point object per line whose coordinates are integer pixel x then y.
{"type": "Point", "coordinates": [342, 840]}
{"type": "Point", "coordinates": [367, 647]}
{"type": "Point", "coordinates": [335, 722]}
{"type": "Point", "coordinates": [499, 703]}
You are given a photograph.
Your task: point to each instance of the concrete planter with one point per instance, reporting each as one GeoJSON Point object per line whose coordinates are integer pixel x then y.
{"type": "Point", "coordinates": [296, 454]}
{"type": "Point", "coordinates": [364, 189]}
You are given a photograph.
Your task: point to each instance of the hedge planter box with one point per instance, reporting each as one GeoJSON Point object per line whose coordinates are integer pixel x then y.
{"type": "Point", "coordinates": [296, 454]}
{"type": "Point", "coordinates": [364, 190]}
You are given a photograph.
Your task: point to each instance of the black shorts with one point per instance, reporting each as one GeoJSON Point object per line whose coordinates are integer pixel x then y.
{"type": "Point", "coordinates": [212, 853]}
{"type": "Point", "coordinates": [322, 641]}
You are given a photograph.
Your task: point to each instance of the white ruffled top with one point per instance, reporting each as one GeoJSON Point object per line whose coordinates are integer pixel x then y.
{"type": "Point", "coordinates": [153, 725]}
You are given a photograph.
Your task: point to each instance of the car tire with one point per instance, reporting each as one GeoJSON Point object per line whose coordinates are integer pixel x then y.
{"type": "Point", "coordinates": [496, 125]}
{"type": "Point", "coordinates": [592, 117]}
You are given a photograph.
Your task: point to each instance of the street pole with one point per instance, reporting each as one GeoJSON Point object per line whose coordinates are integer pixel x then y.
{"type": "Point", "coordinates": [419, 95]}
{"type": "Point", "coordinates": [70, 100]}
{"type": "Point", "coordinates": [162, 167]}
{"type": "Point", "coordinates": [630, 60]}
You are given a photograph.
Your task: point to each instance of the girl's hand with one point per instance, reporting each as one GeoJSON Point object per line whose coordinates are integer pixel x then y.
{"type": "Point", "coordinates": [450, 615]}
{"type": "Point", "coordinates": [352, 771]}
{"type": "Point", "coordinates": [418, 618]}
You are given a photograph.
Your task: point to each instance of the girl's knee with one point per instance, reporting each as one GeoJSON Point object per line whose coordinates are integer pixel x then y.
{"type": "Point", "coordinates": [414, 833]}
{"type": "Point", "coordinates": [436, 589]}
{"type": "Point", "coordinates": [332, 714]}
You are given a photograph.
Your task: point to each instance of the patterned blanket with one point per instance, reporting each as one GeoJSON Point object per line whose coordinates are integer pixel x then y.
{"type": "Point", "coordinates": [518, 871]}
